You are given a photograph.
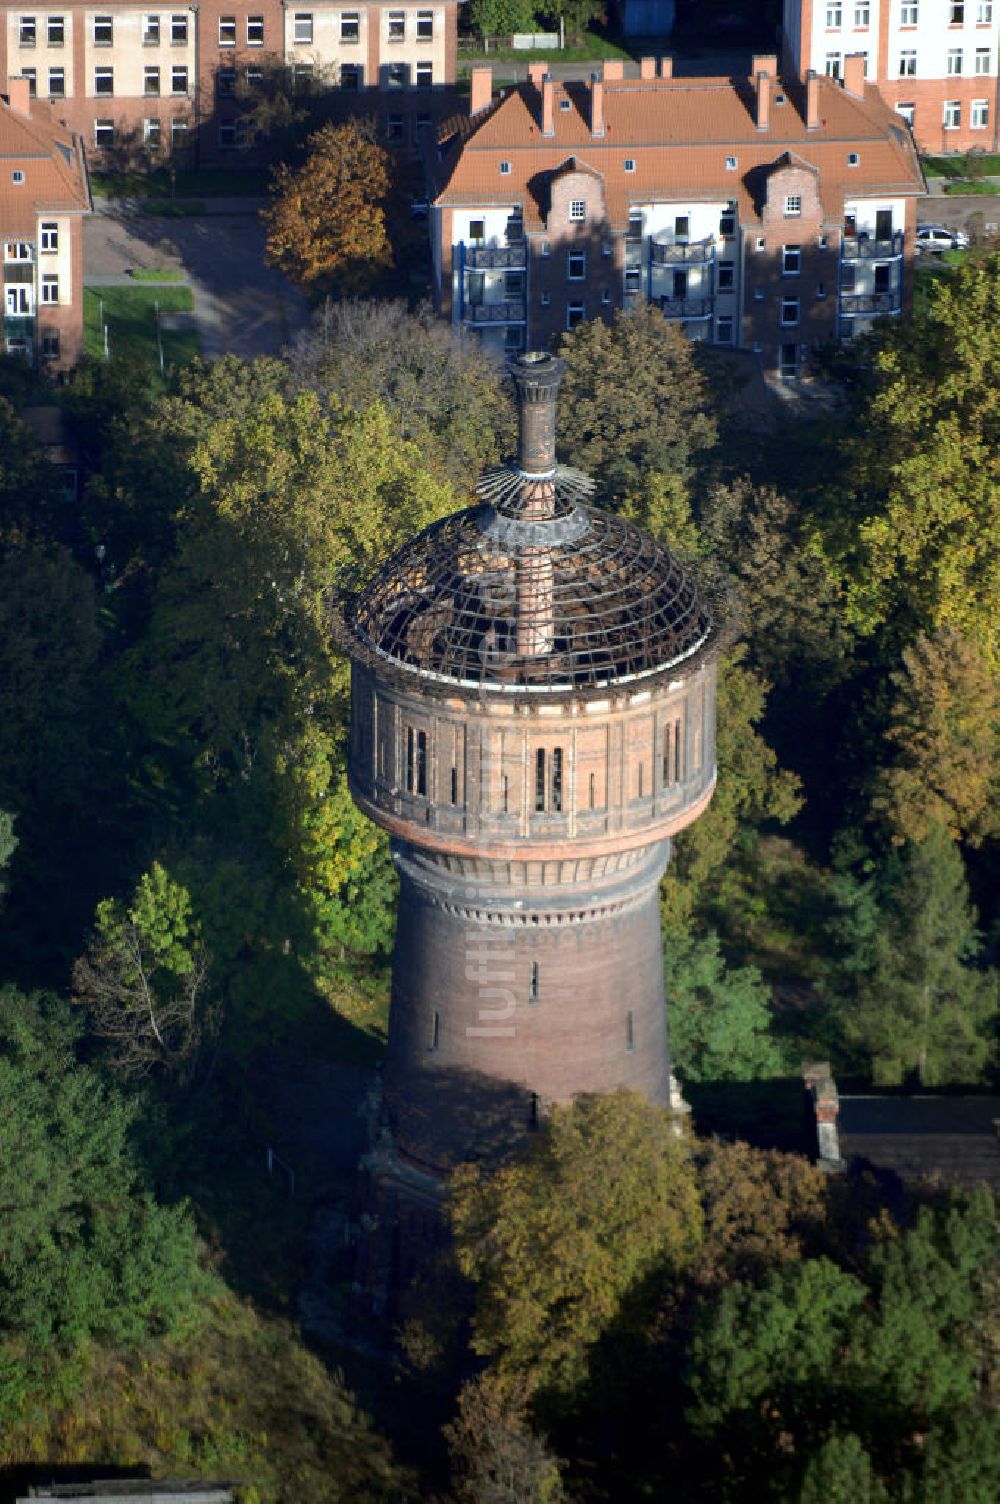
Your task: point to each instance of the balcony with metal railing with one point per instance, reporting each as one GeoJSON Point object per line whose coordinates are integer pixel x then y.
{"type": "Point", "coordinates": [510, 312]}
{"type": "Point", "coordinates": [855, 305]}
{"type": "Point", "coordinates": [693, 253]}
{"type": "Point", "coordinates": [686, 308]}
{"type": "Point", "coordinates": [865, 248]}
{"type": "Point", "coordinates": [496, 257]}
{"type": "Point", "coordinates": [18, 326]}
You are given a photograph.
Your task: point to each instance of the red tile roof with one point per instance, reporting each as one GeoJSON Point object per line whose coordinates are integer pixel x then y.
{"type": "Point", "coordinates": [52, 161]}
{"type": "Point", "coordinates": [679, 133]}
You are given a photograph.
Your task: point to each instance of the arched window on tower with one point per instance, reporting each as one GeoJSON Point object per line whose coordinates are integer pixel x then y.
{"type": "Point", "coordinates": [549, 781]}
{"type": "Point", "coordinates": [422, 762]}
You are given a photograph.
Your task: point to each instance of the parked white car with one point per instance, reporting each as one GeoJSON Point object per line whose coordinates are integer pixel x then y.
{"type": "Point", "coordinates": [936, 238]}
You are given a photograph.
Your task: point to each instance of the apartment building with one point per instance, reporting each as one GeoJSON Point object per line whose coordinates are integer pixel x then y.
{"type": "Point", "coordinates": [180, 81]}
{"type": "Point", "coordinates": [44, 193]}
{"type": "Point", "coordinates": [760, 216]}
{"type": "Point", "coordinates": [934, 61]}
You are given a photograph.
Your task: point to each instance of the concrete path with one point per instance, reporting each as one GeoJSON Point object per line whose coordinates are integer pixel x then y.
{"type": "Point", "coordinates": [241, 306]}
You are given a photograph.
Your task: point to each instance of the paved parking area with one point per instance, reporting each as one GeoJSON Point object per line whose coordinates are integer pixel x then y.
{"type": "Point", "coordinates": [242, 307]}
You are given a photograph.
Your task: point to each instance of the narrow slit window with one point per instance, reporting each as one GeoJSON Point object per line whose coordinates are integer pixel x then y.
{"type": "Point", "coordinates": [540, 779]}
{"type": "Point", "coordinates": [409, 759]}
{"type": "Point", "coordinates": [533, 1111]}
{"type": "Point", "coordinates": [533, 983]}
{"type": "Point", "coordinates": [422, 762]}
{"type": "Point", "coordinates": [454, 785]}
{"type": "Point", "coordinates": [667, 759]}
{"type": "Point", "coordinates": [629, 1031]}
{"type": "Point", "coordinates": [503, 791]}
{"type": "Point", "coordinates": [557, 779]}
{"type": "Point", "coordinates": [436, 1029]}
{"type": "Point", "coordinates": [678, 753]}
{"type": "Point", "coordinates": [593, 791]}
{"type": "Point", "coordinates": [641, 780]}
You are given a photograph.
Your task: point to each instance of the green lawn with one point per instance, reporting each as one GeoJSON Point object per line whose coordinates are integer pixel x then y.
{"type": "Point", "coordinates": [157, 274]}
{"type": "Point", "coordinates": [987, 165]}
{"type": "Point", "coordinates": [130, 315]}
{"type": "Point", "coordinates": [208, 183]}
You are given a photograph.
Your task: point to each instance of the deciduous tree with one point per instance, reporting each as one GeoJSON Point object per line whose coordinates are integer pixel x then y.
{"type": "Point", "coordinates": [719, 1015]}
{"type": "Point", "coordinates": [326, 222]}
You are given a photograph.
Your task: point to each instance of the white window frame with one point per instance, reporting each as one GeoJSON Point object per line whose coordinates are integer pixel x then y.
{"type": "Point", "coordinates": [152, 133]}
{"type": "Point", "coordinates": [576, 313]}
{"type": "Point", "coordinates": [979, 114]}
{"type": "Point", "coordinates": [179, 78]}
{"type": "Point", "coordinates": [151, 81]}
{"type": "Point", "coordinates": [909, 13]}
{"type": "Point", "coordinates": [105, 74]}
{"type": "Point", "coordinates": [55, 31]}
{"type": "Point", "coordinates": [255, 37]}
{"type": "Point", "coordinates": [19, 300]}
{"type": "Point", "coordinates": [956, 13]}
{"type": "Point", "coordinates": [104, 128]}
{"type": "Point", "coordinates": [505, 169]}
{"type": "Point", "coordinates": [954, 62]}
{"type": "Point", "coordinates": [227, 31]}
{"type": "Point", "coordinates": [350, 22]}
{"type": "Point", "coordinates": [151, 30]}
{"type": "Point", "coordinates": [725, 276]}
{"type": "Point", "coordinates": [302, 28]}
{"type": "Point", "coordinates": [833, 65]}
{"type": "Point", "coordinates": [27, 31]}
{"type": "Point", "coordinates": [791, 310]}
{"type": "Point", "coordinates": [951, 115]}
{"type": "Point", "coordinates": [395, 25]}
{"type": "Point", "coordinates": [791, 260]}
{"type": "Point", "coordinates": [983, 63]}
{"type": "Point", "coordinates": [630, 164]}
{"type": "Point", "coordinates": [178, 29]}
{"type": "Point", "coordinates": [50, 345]}
{"type": "Point", "coordinates": [793, 205]}
{"type": "Point", "coordinates": [834, 15]}
{"type": "Point", "coordinates": [862, 15]}
{"type": "Point", "coordinates": [425, 20]}
{"type": "Point", "coordinates": [60, 75]}
{"type": "Point", "coordinates": [579, 260]}
{"type": "Point", "coordinates": [178, 132]}
{"type": "Point", "coordinates": [908, 63]}
{"type": "Point", "coordinates": [907, 112]}
{"type": "Point", "coordinates": [48, 237]}
{"type": "Point", "coordinates": [104, 23]}
{"type": "Point", "coordinates": [578, 211]}
{"type": "Point", "coordinates": [424, 75]}
{"type": "Point", "coordinates": [984, 13]}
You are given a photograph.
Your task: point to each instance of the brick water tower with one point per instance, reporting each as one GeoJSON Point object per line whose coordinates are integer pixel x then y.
{"type": "Point", "coordinates": [533, 719]}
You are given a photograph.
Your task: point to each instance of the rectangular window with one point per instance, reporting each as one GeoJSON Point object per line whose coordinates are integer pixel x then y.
{"type": "Point", "coordinates": [682, 228]}
{"type": "Point", "coordinates": [533, 983]}
{"type": "Point", "coordinates": [630, 1031]}
{"type": "Point", "coordinates": [984, 13]}
{"type": "Point", "coordinates": [979, 114]}
{"type": "Point", "coordinates": [630, 164]}
{"type": "Point", "coordinates": [410, 758]}
{"type": "Point", "coordinates": [31, 75]}
{"type": "Point", "coordinates": [254, 75]}
{"type": "Point", "coordinates": [178, 79]}
{"type": "Point", "coordinates": [513, 286]}
{"type": "Point", "coordinates": [302, 28]}
{"type": "Point", "coordinates": [255, 31]}
{"type": "Point", "coordinates": [422, 763]}
{"type": "Point", "coordinates": [789, 311]}
{"type": "Point", "coordinates": [724, 330]}
{"type": "Point", "coordinates": [575, 314]}
{"type": "Point", "coordinates": [57, 83]}
{"type": "Point", "coordinates": [956, 12]}
{"type": "Point", "coordinates": [634, 231]}
{"type": "Point", "coordinates": [151, 133]}
{"type": "Point", "coordinates": [55, 30]}
{"type": "Point", "coordinates": [350, 26]}
{"type": "Point", "coordinates": [178, 134]}
{"type": "Point", "coordinates": [576, 266]}
{"type": "Point", "coordinates": [726, 276]}
{"type": "Point", "coordinates": [351, 75]}
{"type": "Point", "coordinates": [909, 13]}
{"type": "Point", "coordinates": [907, 111]}
{"type": "Point", "coordinates": [540, 780]}
{"type": "Point", "coordinates": [793, 205]}
{"type": "Point", "coordinates": [678, 753]}
{"type": "Point", "coordinates": [557, 779]}
{"type": "Point", "coordinates": [454, 785]}
{"type": "Point", "coordinates": [49, 236]}
{"type": "Point", "coordinates": [732, 163]}
{"type": "Point", "coordinates": [17, 250]}
{"type": "Point", "coordinates": [952, 115]}
{"type": "Point", "coordinates": [104, 133]}
{"type": "Point", "coordinates": [425, 75]}
{"type": "Point", "coordinates": [832, 65]}
{"type": "Point", "coordinates": [788, 362]}
{"type": "Point", "coordinates": [398, 75]}
{"type": "Point", "coordinates": [727, 222]}
{"type": "Point", "coordinates": [151, 31]}
{"type": "Point", "coordinates": [225, 82]}
{"type": "Point", "coordinates": [104, 31]}
{"type": "Point", "coordinates": [227, 31]}
{"type": "Point", "coordinates": [983, 59]}
{"type": "Point", "coordinates": [150, 81]}
{"type": "Point", "coordinates": [18, 301]}
{"type": "Point", "coordinates": [27, 34]}
{"type": "Point", "coordinates": [578, 210]}
{"type": "Point", "coordinates": [50, 346]}
{"type": "Point", "coordinates": [477, 229]}
{"type": "Point", "coordinates": [397, 25]}
{"type": "Point", "coordinates": [226, 136]}
{"type": "Point", "coordinates": [178, 31]}
{"type": "Point", "coordinates": [633, 280]}
{"type": "Point", "coordinates": [834, 16]}
{"type": "Point", "coordinates": [791, 260]}
{"type": "Point", "coordinates": [862, 15]}
{"type": "Point", "coordinates": [954, 62]}
{"type": "Point", "coordinates": [425, 26]}
{"type": "Point", "coordinates": [908, 64]}
{"type": "Point", "coordinates": [104, 81]}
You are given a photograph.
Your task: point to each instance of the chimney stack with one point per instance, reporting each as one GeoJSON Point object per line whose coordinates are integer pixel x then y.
{"type": "Point", "coordinates": [596, 105]}
{"type": "Point", "coordinates": [763, 83]}
{"type": "Point", "coordinates": [764, 62]}
{"type": "Point", "coordinates": [536, 72]}
{"type": "Point", "coordinates": [647, 67]}
{"type": "Point", "coordinates": [482, 89]}
{"type": "Point", "coordinates": [666, 67]}
{"type": "Point", "coordinates": [854, 74]}
{"type": "Point", "coordinates": [614, 70]}
{"type": "Point", "coordinates": [19, 96]}
{"type": "Point", "coordinates": [548, 107]}
{"type": "Point", "coordinates": [812, 101]}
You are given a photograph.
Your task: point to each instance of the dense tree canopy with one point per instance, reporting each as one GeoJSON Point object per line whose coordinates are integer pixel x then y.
{"type": "Point", "coordinates": [326, 222]}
